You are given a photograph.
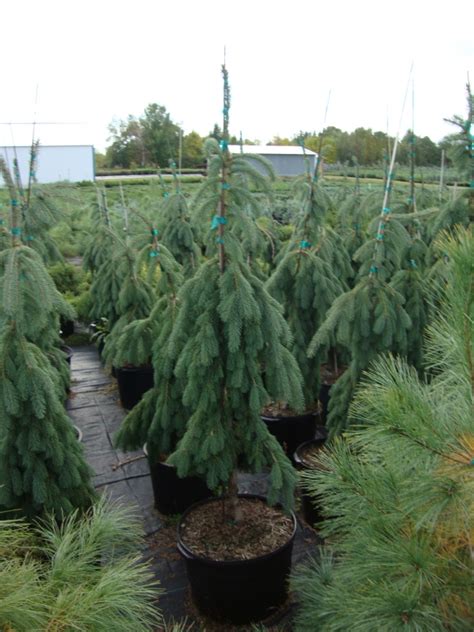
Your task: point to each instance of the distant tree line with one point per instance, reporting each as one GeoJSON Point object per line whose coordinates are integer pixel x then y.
{"type": "Point", "coordinates": [153, 139]}
{"type": "Point", "coordinates": [366, 147]}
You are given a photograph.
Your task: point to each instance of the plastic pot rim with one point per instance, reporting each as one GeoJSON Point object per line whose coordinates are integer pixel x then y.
{"type": "Point", "coordinates": [145, 451]}
{"type": "Point", "coordinates": [313, 413]}
{"type": "Point", "coordinates": [297, 459]}
{"type": "Point", "coordinates": [189, 554]}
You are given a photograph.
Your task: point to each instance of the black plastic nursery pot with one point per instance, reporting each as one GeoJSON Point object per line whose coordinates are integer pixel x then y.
{"type": "Point", "coordinates": [291, 431]}
{"type": "Point", "coordinates": [324, 395]}
{"type": "Point", "coordinates": [67, 328]}
{"type": "Point", "coordinates": [240, 591]}
{"type": "Point", "coordinates": [172, 494]}
{"type": "Point", "coordinates": [132, 383]}
{"type": "Point", "coordinates": [311, 511]}
{"type": "Point", "coordinates": [329, 376]}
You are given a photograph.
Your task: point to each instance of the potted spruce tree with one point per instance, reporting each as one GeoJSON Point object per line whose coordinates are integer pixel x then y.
{"type": "Point", "coordinates": [370, 318]}
{"type": "Point", "coordinates": [107, 279]}
{"type": "Point", "coordinates": [398, 492]}
{"type": "Point", "coordinates": [176, 229]}
{"type": "Point", "coordinates": [231, 346]}
{"type": "Point", "coordinates": [459, 209]}
{"type": "Point", "coordinates": [122, 291]}
{"type": "Point", "coordinates": [42, 468]}
{"type": "Point", "coordinates": [135, 299]}
{"type": "Point", "coordinates": [158, 420]}
{"type": "Point", "coordinates": [305, 283]}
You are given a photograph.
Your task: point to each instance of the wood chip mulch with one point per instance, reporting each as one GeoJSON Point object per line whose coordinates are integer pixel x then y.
{"type": "Point", "coordinates": [282, 410]}
{"type": "Point", "coordinates": [209, 532]}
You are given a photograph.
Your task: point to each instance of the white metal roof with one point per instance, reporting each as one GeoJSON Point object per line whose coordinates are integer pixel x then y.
{"type": "Point", "coordinates": [266, 150]}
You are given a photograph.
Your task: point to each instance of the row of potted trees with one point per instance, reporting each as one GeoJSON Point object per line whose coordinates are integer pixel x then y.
{"type": "Point", "coordinates": [222, 351]}
{"type": "Point", "coordinates": [68, 559]}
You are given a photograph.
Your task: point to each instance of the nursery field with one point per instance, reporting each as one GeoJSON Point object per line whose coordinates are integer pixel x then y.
{"type": "Point", "coordinates": [237, 402]}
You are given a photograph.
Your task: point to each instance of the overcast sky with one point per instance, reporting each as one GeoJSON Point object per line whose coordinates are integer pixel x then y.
{"type": "Point", "coordinates": [94, 61]}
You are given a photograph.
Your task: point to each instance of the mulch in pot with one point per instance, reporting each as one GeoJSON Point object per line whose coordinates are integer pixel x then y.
{"type": "Point", "coordinates": [262, 530]}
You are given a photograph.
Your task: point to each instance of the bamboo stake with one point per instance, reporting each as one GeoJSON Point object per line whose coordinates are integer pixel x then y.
{"type": "Point", "coordinates": [412, 201]}
{"type": "Point", "coordinates": [34, 148]}
{"type": "Point", "coordinates": [320, 144]}
{"type": "Point", "coordinates": [124, 211]}
{"type": "Point", "coordinates": [224, 173]}
{"type": "Point", "coordinates": [441, 175]}
{"type": "Point", "coordinates": [384, 215]}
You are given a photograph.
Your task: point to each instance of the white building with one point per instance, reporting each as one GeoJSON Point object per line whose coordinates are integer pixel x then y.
{"type": "Point", "coordinates": [287, 160]}
{"type": "Point", "coordinates": [55, 163]}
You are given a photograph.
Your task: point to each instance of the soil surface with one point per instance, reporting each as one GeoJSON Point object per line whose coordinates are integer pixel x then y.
{"type": "Point", "coordinates": [329, 375]}
{"type": "Point", "coordinates": [209, 532]}
{"type": "Point", "coordinates": [282, 410]}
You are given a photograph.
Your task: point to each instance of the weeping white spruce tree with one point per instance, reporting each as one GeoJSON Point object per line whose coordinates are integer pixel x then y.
{"type": "Point", "coordinates": [370, 318]}
{"type": "Point", "coordinates": [231, 346]}
{"type": "Point", "coordinates": [41, 464]}
{"type": "Point", "coordinates": [176, 230]}
{"type": "Point", "coordinates": [460, 207]}
{"type": "Point", "coordinates": [306, 284]}
{"type": "Point", "coordinates": [398, 492]}
{"type": "Point", "coordinates": [159, 417]}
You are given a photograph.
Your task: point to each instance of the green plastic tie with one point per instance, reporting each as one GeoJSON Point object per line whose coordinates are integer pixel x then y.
{"type": "Point", "coordinates": [305, 244]}
{"type": "Point", "coordinates": [14, 202]}
{"type": "Point", "coordinates": [413, 263]}
{"type": "Point", "coordinates": [225, 186]}
{"type": "Point", "coordinates": [386, 210]}
{"type": "Point", "coordinates": [166, 194]}
{"type": "Point", "coordinates": [16, 231]}
{"type": "Point", "coordinates": [154, 231]}
{"type": "Point", "coordinates": [223, 144]}
{"type": "Point", "coordinates": [373, 269]}
{"type": "Point", "coordinates": [219, 240]}
{"type": "Point", "coordinates": [155, 253]}
{"type": "Point", "coordinates": [216, 220]}
{"type": "Point", "coordinates": [380, 237]}
{"type": "Point", "coordinates": [29, 238]}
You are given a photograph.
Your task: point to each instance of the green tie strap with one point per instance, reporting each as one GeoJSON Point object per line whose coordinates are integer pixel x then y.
{"type": "Point", "coordinates": [216, 220]}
